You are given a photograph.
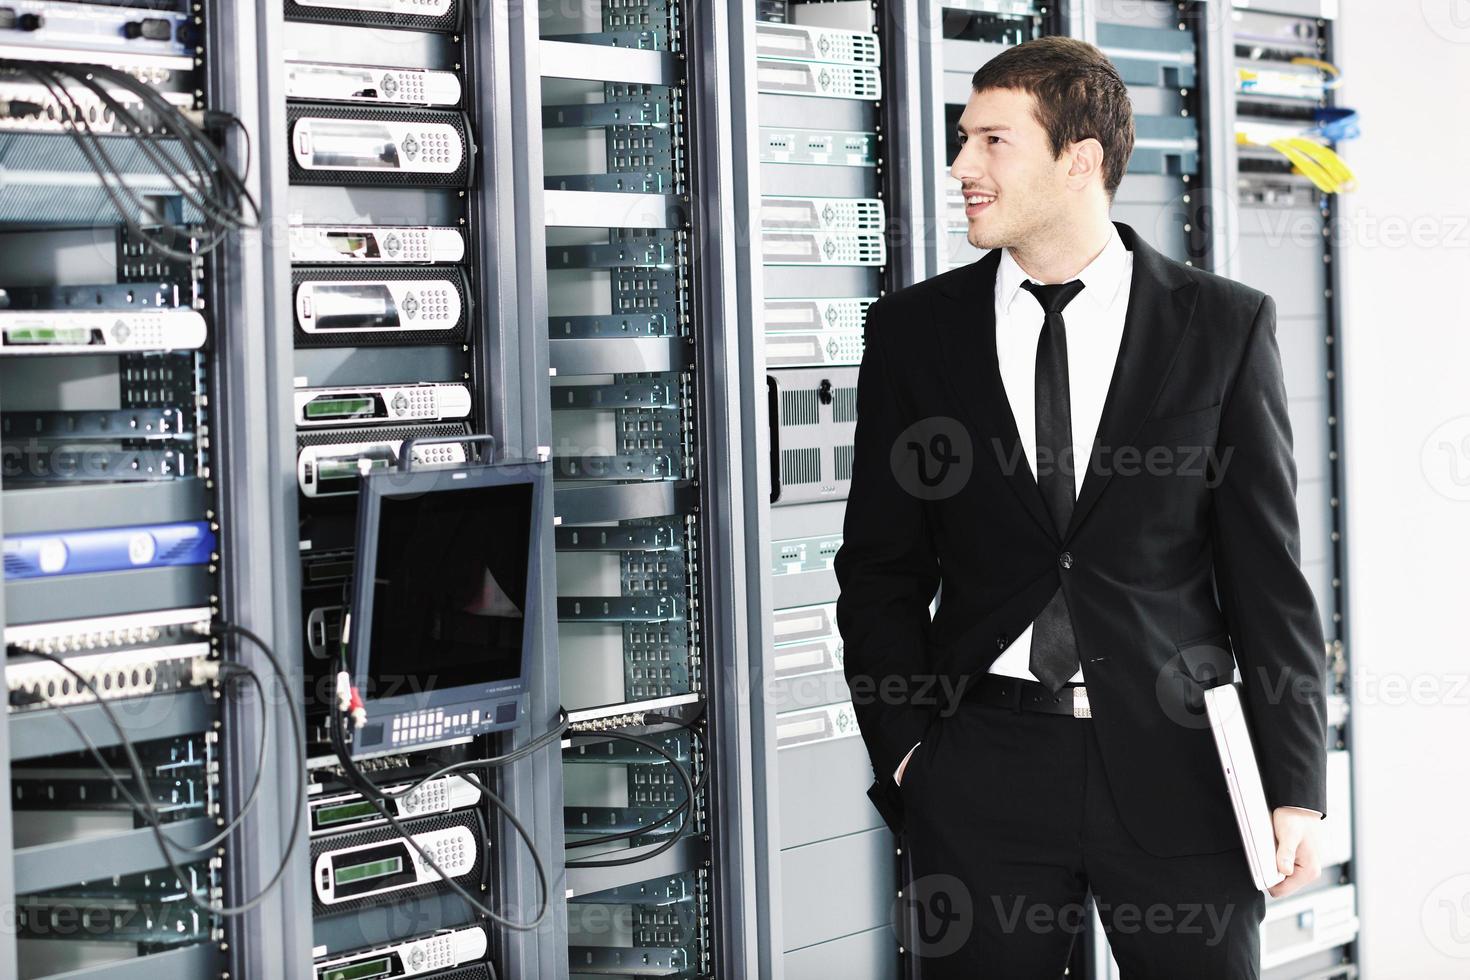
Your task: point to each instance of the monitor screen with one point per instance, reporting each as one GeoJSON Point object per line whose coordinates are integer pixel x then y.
{"type": "Point", "coordinates": [446, 600]}
{"type": "Point", "coordinates": [449, 589]}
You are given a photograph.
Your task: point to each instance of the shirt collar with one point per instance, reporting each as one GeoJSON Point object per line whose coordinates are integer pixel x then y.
{"type": "Point", "coordinates": [1101, 277]}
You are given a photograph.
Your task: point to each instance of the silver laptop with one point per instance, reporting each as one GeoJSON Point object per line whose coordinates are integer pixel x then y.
{"type": "Point", "coordinates": [1243, 779]}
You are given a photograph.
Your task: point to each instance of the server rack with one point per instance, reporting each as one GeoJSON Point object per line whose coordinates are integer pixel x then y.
{"type": "Point", "coordinates": [1156, 49]}
{"type": "Point", "coordinates": [435, 235]}
{"type": "Point", "coordinates": [760, 837]}
{"type": "Point", "coordinates": [261, 568]}
{"type": "Point", "coordinates": [628, 255]}
{"type": "Point", "coordinates": [381, 207]}
{"type": "Point", "coordinates": [85, 869]}
{"type": "Point", "coordinates": [835, 214]}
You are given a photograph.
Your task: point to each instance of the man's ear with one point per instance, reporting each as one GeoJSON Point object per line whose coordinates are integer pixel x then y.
{"type": "Point", "coordinates": [1087, 163]}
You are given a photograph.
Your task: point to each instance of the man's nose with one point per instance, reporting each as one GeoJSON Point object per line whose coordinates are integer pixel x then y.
{"type": "Point", "coordinates": [964, 166]}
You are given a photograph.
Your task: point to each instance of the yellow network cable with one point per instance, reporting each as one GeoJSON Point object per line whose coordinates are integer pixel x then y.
{"type": "Point", "coordinates": [1333, 73]}
{"type": "Point", "coordinates": [1319, 164]}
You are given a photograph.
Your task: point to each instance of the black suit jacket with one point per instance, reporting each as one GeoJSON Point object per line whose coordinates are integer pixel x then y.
{"type": "Point", "coordinates": [1182, 548]}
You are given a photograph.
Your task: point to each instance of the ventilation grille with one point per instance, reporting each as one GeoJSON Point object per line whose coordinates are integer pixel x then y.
{"type": "Point", "coordinates": [801, 465]}
{"type": "Point", "coordinates": [844, 462]}
{"type": "Point", "coordinates": [844, 405]}
{"type": "Point", "coordinates": [800, 407]}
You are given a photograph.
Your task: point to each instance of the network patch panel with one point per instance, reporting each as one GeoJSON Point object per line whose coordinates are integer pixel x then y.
{"type": "Point", "coordinates": [104, 632]}
{"type": "Point", "coordinates": [138, 38]}
{"type": "Point", "coordinates": [41, 108]}
{"type": "Point", "coordinates": [88, 678]}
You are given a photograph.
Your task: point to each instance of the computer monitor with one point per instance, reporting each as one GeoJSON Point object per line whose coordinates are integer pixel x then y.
{"type": "Point", "coordinates": [445, 601]}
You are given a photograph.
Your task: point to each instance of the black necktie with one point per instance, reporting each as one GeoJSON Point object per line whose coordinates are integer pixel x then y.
{"type": "Point", "coordinates": [1053, 643]}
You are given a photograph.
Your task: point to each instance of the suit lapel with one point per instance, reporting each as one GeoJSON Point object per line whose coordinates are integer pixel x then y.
{"type": "Point", "coordinates": [1160, 306]}
{"type": "Point", "coordinates": [972, 372]}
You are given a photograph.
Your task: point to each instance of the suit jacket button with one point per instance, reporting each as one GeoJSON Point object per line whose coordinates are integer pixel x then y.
{"type": "Point", "coordinates": [1000, 642]}
{"type": "Point", "coordinates": [1066, 559]}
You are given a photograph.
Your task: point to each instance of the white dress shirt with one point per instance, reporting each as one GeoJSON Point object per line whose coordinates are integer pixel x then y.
{"type": "Point", "coordinates": [1094, 320]}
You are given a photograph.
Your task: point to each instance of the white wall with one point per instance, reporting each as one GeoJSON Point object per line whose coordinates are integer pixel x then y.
{"type": "Point", "coordinates": [1406, 350]}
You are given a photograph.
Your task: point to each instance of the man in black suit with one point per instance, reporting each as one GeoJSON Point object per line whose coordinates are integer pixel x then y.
{"type": "Point", "coordinates": [1086, 445]}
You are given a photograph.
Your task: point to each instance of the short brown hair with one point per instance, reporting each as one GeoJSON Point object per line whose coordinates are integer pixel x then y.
{"type": "Point", "coordinates": [1078, 93]}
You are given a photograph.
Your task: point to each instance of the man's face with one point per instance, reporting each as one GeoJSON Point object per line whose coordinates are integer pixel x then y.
{"type": "Point", "coordinates": [1014, 189]}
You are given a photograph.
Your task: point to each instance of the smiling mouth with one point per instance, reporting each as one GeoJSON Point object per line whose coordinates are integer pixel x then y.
{"type": "Point", "coordinates": [976, 202]}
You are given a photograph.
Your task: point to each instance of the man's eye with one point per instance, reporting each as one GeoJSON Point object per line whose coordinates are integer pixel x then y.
{"type": "Point", "coordinates": [961, 138]}
{"type": "Point", "coordinates": [996, 139]}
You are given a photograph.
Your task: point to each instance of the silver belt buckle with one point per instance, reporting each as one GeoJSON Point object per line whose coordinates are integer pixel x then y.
{"type": "Point", "coordinates": [1081, 708]}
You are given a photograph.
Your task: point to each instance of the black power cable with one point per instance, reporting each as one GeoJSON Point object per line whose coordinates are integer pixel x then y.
{"type": "Point", "coordinates": [146, 807]}
{"type": "Point", "coordinates": [195, 141]}
{"type": "Point", "coordinates": [147, 801]}
{"type": "Point", "coordinates": [687, 808]}
{"type": "Point", "coordinates": [666, 818]}
{"type": "Point", "coordinates": [111, 181]}
{"type": "Point", "coordinates": [212, 187]}
{"type": "Point", "coordinates": [153, 145]}
{"type": "Point", "coordinates": [94, 150]}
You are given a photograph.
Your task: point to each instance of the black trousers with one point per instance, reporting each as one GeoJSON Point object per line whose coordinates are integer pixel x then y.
{"type": "Point", "coordinates": [1010, 821]}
